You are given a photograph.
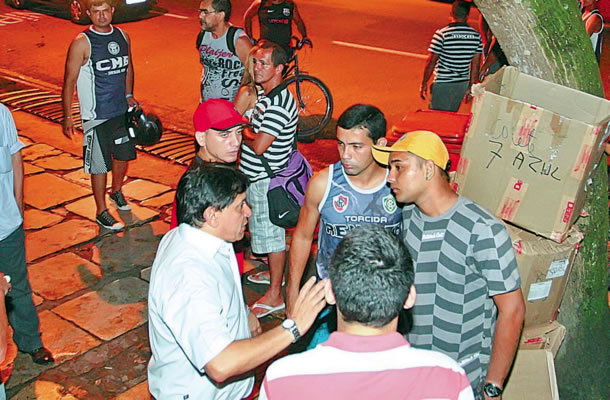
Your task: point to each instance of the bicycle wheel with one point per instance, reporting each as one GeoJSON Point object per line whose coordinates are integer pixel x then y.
{"type": "Point", "coordinates": [314, 102]}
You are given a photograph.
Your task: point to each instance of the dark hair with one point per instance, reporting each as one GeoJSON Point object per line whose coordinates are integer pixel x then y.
{"type": "Point", "coordinates": [371, 273]}
{"type": "Point", "coordinates": [223, 5]}
{"type": "Point", "coordinates": [278, 54]}
{"type": "Point", "coordinates": [460, 9]}
{"type": "Point", "coordinates": [208, 185]}
{"type": "Point", "coordinates": [365, 116]}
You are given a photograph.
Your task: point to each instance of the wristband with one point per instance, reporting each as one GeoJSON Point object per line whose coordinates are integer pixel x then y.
{"type": "Point", "coordinates": [128, 95]}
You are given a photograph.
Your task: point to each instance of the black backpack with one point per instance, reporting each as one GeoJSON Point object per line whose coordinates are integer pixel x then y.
{"type": "Point", "coordinates": [230, 38]}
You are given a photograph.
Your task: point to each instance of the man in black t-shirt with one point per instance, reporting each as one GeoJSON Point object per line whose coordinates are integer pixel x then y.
{"type": "Point", "coordinates": [275, 19]}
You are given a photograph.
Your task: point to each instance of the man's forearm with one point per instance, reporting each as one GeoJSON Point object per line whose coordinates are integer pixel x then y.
{"type": "Point", "coordinates": [244, 355]}
{"type": "Point", "coordinates": [506, 339]}
{"type": "Point", "coordinates": [300, 250]}
{"type": "Point", "coordinates": [67, 96]}
{"type": "Point", "coordinates": [302, 29]}
{"type": "Point", "coordinates": [428, 69]}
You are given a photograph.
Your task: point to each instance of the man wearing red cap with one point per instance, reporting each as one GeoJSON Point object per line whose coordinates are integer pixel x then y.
{"type": "Point", "coordinates": [469, 303]}
{"type": "Point", "coordinates": [218, 130]}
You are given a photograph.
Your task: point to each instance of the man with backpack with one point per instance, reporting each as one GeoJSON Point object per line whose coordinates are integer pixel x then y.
{"type": "Point", "coordinates": [347, 194]}
{"type": "Point", "coordinates": [223, 49]}
{"type": "Point", "coordinates": [267, 152]}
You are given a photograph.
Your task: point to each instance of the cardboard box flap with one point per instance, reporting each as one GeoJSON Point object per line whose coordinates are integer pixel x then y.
{"type": "Point", "coordinates": [562, 100]}
{"type": "Point", "coordinates": [534, 244]}
{"type": "Point", "coordinates": [546, 337]}
{"type": "Point", "coordinates": [532, 377]}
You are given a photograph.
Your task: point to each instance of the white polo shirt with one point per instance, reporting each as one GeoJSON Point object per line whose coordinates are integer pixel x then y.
{"type": "Point", "coordinates": [196, 309]}
{"type": "Point", "coordinates": [10, 217]}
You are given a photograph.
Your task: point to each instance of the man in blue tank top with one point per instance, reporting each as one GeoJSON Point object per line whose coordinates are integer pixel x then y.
{"type": "Point", "coordinates": [99, 65]}
{"type": "Point", "coordinates": [345, 195]}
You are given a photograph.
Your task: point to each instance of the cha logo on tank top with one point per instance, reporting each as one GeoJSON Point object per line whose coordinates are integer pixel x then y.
{"type": "Point", "coordinates": [340, 203]}
{"type": "Point", "coordinates": [114, 48]}
{"type": "Point", "coordinates": [389, 204]}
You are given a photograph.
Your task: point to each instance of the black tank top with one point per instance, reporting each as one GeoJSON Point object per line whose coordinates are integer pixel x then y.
{"type": "Point", "coordinates": [276, 21]}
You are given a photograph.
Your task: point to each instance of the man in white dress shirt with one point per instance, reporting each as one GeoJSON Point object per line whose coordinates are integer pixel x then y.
{"type": "Point", "coordinates": [201, 332]}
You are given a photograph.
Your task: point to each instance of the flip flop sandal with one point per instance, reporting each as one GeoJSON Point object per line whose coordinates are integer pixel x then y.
{"type": "Point", "coordinates": [268, 309]}
{"type": "Point", "coordinates": [262, 278]}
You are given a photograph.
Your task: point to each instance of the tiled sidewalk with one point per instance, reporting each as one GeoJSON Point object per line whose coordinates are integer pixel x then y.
{"type": "Point", "coordinates": [90, 284]}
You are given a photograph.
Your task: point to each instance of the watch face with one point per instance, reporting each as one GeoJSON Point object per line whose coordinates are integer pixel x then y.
{"type": "Point", "coordinates": [492, 390]}
{"type": "Point", "coordinates": [287, 323]}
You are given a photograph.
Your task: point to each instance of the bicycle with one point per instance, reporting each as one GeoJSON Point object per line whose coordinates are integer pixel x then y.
{"type": "Point", "coordinates": [314, 101]}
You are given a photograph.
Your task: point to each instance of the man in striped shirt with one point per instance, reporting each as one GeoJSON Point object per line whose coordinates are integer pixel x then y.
{"type": "Point", "coordinates": [371, 281]}
{"type": "Point", "coordinates": [455, 57]}
{"type": "Point", "coordinates": [274, 122]}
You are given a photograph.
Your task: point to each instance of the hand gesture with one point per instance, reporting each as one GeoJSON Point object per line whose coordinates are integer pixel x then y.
{"type": "Point", "coordinates": [309, 303]}
{"type": "Point", "coordinates": [423, 91]}
{"type": "Point", "coordinates": [67, 127]}
{"type": "Point", "coordinates": [254, 325]}
{"type": "Point", "coordinates": [5, 286]}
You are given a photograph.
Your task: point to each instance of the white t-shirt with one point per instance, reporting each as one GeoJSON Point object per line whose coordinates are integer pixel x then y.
{"type": "Point", "coordinates": [196, 309]}
{"type": "Point", "coordinates": [10, 217]}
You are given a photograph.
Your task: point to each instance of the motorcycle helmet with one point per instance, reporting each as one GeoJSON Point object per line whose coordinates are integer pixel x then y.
{"type": "Point", "coordinates": [144, 129]}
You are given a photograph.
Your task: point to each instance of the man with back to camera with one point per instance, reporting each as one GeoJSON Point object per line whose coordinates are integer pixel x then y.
{"type": "Point", "coordinates": [201, 333]}
{"type": "Point", "coordinates": [344, 195]}
{"type": "Point", "coordinates": [469, 303]}
{"type": "Point", "coordinates": [455, 57]}
{"type": "Point", "coordinates": [223, 49]}
{"type": "Point", "coordinates": [99, 65]}
{"type": "Point", "coordinates": [274, 123]}
{"type": "Point", "coordinates": [275, 19]}
{"type": "Point", "coordinates": [371, 281]}
{"type": "Point", "coordinates": [21, 310]}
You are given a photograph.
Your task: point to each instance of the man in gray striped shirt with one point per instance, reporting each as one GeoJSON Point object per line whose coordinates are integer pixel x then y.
{"type": "Point", "coordinates": [469, 303]}
{"type": "Point", "coordinates": [274, 122]}
{"type": "Point", "coordinates": [455, 57]}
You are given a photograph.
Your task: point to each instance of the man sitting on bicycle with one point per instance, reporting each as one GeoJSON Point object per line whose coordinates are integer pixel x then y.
{"type": "Point", "coordinates": [275, 19]}
{"type": "Point", "coordinates": [274, 122]}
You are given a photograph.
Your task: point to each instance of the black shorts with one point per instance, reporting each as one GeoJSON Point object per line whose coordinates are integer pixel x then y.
{"type": "Point", "coordinates": [105, 142]}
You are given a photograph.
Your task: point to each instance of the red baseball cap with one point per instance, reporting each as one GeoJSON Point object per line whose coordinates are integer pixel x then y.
{"type": "Point", "coordinates": [217, 114]}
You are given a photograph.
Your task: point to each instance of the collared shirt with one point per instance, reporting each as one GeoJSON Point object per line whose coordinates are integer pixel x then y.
{"type": "Point", "coordinates": [365, 367]}
{"type": "Point", "coordinates": [196, 309]}
{"type": "Point", "coordinates": [10, 217]}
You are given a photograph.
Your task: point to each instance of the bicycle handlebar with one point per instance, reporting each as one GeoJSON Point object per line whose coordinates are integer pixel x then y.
{"type": "Point", "coordinates": [300, 43]}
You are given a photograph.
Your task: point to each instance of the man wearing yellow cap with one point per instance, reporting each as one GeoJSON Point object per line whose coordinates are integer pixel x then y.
{"type": "Point", "coordinates": [469, 303]}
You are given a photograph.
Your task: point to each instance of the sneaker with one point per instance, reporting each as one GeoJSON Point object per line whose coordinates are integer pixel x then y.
{"type": "Point", "coordinates": [120, 201]}
{"type": "Point", "coordinates": [107, 221]}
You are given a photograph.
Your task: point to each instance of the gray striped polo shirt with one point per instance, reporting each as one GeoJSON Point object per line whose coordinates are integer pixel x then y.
{"type": "Point", "coordinates": [462, 259]}
{"type": "Point", "coordinates": [456, 44]}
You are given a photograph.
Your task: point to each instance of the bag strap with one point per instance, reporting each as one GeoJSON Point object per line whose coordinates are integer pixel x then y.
{"type": "Point", "coordinates": [266, 165]}
{"type": "Point", "coordinates": [231, 38]}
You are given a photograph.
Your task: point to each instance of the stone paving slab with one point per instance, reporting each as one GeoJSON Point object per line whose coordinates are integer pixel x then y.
{"type": "Point", "coordinates": [46, 190]}
{"type": "Point", "coordinates": [30, 169]}
{"type": "Point", "coordinates": [64, 274]}
{"type": "Point", "coordinates": [26, 141]}
{"type": "Point", "coordinates": [110, 252]}
{"type": "Point", "coordinates": [58, 237]}
{"type": "Point", "coordinates": [160, 201]}
{"type": "Point", "coordinates": [115, 309]}
{"type": "Point", "coordinates": [81, 177]}
{"type": "Point", "coordinates": [37, 299]}
{"type": "Point", "coordinates": [37, 151]}
{"type": "Point", "coordinates": [43, 390]}
{"type": "Point", "coordinates": [138, 392]}
{"type": "Point", "coordinates": [141, 189]}
{"type": "Point", "coordinates": [36, 219]}
{"type": "Point", "coordinates": [145, 274]}
{"type": "Point", "coordinates": [106, 370]}
{"type": "Point", "coordinates": [59, 163]}
{"type": "Point", "coordinates": [63, 339]}
{"type": "Point", "coordinates": [137, 215]}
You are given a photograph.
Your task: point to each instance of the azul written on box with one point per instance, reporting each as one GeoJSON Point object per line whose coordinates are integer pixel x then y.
{"type": "Point", "coordinates": [544, 267]}
{"type": "Point", "coordinates": [529, 150]}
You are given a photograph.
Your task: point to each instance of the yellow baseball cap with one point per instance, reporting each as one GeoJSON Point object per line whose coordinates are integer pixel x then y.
{"type": "Point", "coordinates": [425, 144]}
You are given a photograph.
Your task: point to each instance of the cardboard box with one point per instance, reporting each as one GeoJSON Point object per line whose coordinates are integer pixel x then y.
{"type": "Point", "coordinates": [532, 377]}
{"type": "Point", "coordinates": [543, 337]}
{"type": "Point", "coordinates": [544, 266]}
{"type": "Point", "coordinates": [529, 150]}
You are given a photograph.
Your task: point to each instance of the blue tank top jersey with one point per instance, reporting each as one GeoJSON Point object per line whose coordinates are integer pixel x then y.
{"type": "Point", "coordinates": [101, 81]}
{"type": "Point", "coordinates": [344, 207]}
{"type": "Point", "coordinates": [276, 21]}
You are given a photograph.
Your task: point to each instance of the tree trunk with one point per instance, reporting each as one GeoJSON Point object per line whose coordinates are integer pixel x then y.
{"type": "Point", "coordinates": [546, 39]}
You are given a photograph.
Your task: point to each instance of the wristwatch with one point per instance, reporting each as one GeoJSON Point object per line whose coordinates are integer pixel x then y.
{"type": "Point", "coordinates": [491, 390]}
{"type": "Point", "coordinates": [291, 327]}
